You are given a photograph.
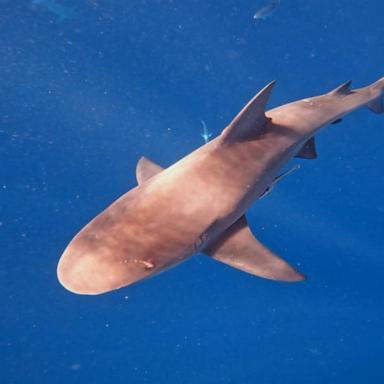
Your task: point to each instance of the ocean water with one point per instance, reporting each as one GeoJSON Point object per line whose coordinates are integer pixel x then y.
{"type": "Point", "coordinates": [86, 88]}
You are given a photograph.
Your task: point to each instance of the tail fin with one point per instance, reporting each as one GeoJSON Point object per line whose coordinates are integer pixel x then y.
{"type": "Point", "coordinates": [377, 104]}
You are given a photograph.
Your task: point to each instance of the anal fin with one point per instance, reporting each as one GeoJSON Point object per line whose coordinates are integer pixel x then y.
{"type": "Point", "coordinates": [238, 248]}
{"type": "Point", "coordinates": [377, 105]}
{"type": "Point", "coordinates": [308, 151]}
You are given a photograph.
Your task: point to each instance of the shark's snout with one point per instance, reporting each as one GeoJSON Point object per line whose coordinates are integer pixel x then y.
{"type": "Point", "coordinates": [85, 275]}
{"type": "Point", "coordinates": [92, 271]}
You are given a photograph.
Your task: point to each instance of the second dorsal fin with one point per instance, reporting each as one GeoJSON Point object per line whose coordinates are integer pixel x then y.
{"type": "Point", "coordinates": [250, 120]}
{"type": "Point", "coordinates": [343, 89]}
{"type": "Point", "coordinates": [145, 169]}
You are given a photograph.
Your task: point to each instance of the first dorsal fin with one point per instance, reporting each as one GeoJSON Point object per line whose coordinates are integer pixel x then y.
{"type": "Point", "coordinates": [251, 119]}
{"type": "Point", "coordinates": [145, 169]}
{"type": "Point", "coordinates": [238, 248]}
{"type": "Point", "coordinates": [343, 89]}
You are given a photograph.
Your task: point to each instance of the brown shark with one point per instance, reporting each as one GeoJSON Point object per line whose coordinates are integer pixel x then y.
{"type": "Point", "coordinates": [198, 203]}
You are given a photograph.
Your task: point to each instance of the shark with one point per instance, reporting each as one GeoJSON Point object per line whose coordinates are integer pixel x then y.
{"type": "Point", "coordinates": [198, 204]}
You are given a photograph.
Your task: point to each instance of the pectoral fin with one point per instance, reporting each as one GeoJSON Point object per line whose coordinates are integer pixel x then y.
{"type": "Point", "coordinates": [238, 248]}
{"type": "Point", "coordinates": [145, 169]}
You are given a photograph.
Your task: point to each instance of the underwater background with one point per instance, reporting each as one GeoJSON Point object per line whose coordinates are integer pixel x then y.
{"type": "Point", "coordinates": [86, 88]}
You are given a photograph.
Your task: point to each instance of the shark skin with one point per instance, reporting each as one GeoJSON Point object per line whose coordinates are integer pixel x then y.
{"type": "Point", "coordinates": [198, 203]}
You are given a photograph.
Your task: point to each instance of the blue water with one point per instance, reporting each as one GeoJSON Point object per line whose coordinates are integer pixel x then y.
{"type": "Point", "coordinates": [86, 88]}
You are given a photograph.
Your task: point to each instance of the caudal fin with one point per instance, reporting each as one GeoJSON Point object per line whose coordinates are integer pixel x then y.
{"type": "Point", "coordinates": [377, 104]}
